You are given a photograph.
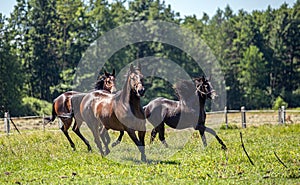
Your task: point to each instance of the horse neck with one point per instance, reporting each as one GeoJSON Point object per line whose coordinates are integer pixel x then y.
{"type": "Point", "coordinates": [125, 92]}
{"type": "Point", "coordinates": [201, 102]}
{"type": "Point", "coordinates": [189, 102]}
{"type": "Point", "coordinates": [128, 98]}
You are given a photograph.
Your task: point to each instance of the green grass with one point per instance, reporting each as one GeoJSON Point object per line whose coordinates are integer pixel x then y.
{"type": "Point", "coordinates": [47, 158]}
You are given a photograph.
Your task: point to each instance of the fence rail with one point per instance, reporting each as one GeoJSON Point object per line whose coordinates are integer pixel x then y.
{"type": "Point", "coordinates": [243, 117]}
{"type": "Point", "coordinates": [280, 116]}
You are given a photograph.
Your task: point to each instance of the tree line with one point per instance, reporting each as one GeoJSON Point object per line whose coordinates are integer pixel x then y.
{"type": "Point", "coordinates": [42, 41]}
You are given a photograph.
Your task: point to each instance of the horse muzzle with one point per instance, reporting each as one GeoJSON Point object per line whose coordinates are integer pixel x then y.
{"type": "Point", "coordinates": [213, 95]}
{"type": "Point", "coordinates": [140, 91]}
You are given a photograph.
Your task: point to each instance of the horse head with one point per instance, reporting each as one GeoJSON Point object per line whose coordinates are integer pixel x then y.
{"type": "Point", "coordinates": [204, 88]}
{"type": "Point", "coordinates": [136, 80]}
{"type": "Point", "coordinates": [106, 82]}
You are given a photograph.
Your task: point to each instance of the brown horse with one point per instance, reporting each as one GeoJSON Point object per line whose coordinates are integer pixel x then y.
{"type": "Point", "coordinates": [62, 105]}
{"type": "Point", "coordinates": [121, 111]}
{"type": "Point", "coordinates": [190, 109]}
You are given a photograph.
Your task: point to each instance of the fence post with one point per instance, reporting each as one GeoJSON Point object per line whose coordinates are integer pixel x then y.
{"type": "Point", "coordinates": [43, 122]}
{"type": "Point", "coordinates": [6, 122]}
{"type": "Point", "coordinates": [282, 114]}
{"type": "Point", "coordinates": [279, 115]}
{"type": "Point", "coordinates": [243, 113]}
{"type": "Point", "coordinates": [226, 118]}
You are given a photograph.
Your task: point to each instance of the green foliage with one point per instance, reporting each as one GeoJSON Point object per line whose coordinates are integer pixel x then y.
{"type": "Point", "coordinates": [42, 42]}
{"type": "Point", "coordinates": [66, 84]}
{"type": "Point", "coordinates": [11, 76]}
{"type": "Point", "coordinates": [279, 102]}
{"type": "Point", "coordinates": [47, 158]}
{"type": "Point", "coordinates": [229, 126]}
{"type": "Point", "coordinates": [33, 106]}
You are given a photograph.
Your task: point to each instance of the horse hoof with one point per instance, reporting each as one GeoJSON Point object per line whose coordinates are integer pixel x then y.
{"type": "Point", "coordinates": [165, 143]}
{"type": "Point", "coordinates": [143, 159]}
{"type": "Point", "coordinates": [106, 152]}
{"type": "Point", "coordinates": [224, 147]}
{"type": "Point", "coordinates": [115, 143]}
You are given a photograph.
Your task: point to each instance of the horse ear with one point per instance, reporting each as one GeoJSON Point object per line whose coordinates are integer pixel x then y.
{"type": "Point", "coordinates": [106, 73]}
{"type": "Point", "coordinates": [139, 66]}
{"type": "Point", "coordinates": [114, 72]}
{"type": "Point", "coordinates": [131, 68]}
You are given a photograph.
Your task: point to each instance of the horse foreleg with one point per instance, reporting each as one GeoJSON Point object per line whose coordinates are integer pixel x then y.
{"type": "Point", "coordinates": [78, 133]}
{"type": "Point", "coordinates": [140, 146]}
{"type": "Point", "coordinates": [211, 131]}
{"type": "Point", "coordinates": [201, 129]}
{"type": "Point", "coordinates": [118, 141]}
{"type": "Point", "coordinates": [141, 135]}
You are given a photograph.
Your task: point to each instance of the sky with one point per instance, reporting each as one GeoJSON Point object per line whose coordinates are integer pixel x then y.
{"type": "Point", "coordinates": [197, 7]}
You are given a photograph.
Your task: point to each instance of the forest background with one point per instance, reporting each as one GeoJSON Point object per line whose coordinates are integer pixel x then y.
{"type": "Point", "coordinates": [41, 43]}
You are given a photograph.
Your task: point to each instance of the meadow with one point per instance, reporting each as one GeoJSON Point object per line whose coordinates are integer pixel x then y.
{"type": "Point", "coordinates": [45, 157]}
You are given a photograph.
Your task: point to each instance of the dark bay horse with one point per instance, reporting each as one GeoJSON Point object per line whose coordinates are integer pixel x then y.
{"type": "Point", "coordinates": [121, 111]}
{"type": "Point", "coordinates": [188, 112]}
{"type": "Point", "coordinates": [62, 105]}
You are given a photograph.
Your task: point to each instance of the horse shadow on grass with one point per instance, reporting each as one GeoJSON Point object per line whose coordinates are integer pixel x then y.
{"type": "Point", "coordinates": [151, 161]}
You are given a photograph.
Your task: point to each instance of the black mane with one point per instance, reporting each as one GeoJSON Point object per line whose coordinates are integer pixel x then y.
{"type": "Point", "coordinates": [185, 89]}
{"type": "Point", "coordinates": [100, 82]}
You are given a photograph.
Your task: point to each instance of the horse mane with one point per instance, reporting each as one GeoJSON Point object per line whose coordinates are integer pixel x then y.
{"type": "Point", "coordinates": [184, 89]}
{"type": "Point", "coordinates": [100, 82]}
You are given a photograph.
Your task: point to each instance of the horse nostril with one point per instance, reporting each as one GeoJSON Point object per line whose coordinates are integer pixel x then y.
{"type": "Point", "coordinates": [142, 91]}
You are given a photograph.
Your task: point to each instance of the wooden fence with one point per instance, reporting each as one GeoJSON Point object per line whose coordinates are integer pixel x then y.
{"type": "Point", "coordinates": [242, 117]}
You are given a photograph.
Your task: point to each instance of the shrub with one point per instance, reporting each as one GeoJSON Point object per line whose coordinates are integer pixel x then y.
{"type": "Point", "coordinates": [278, 103]}
{"type": "Point", "coordinates": [230, 126]}
{"type": "Point", "coordinates": [34, 106]}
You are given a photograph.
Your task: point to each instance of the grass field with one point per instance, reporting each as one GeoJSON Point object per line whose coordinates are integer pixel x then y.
{"type": "Point", "coordinates": [46, 158]}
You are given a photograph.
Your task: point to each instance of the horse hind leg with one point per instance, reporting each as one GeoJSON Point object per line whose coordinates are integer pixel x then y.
{"type": "Point", "coordinates": [153, 135]}
{"type": "Point", "coordinates": [96, 135]}
{"type": "Point", "coordinates": [64, 128]}
{"type": "Point", "coordinates": [78, 133]}
{"type": "Point", "coordinates": [118, 141]}
{"type": "Point", "coordinates": [211, 131]}
{"type": "Point", "coordinates": [105, 139]}
{"type": "Point", "coordinates": [161, 134]}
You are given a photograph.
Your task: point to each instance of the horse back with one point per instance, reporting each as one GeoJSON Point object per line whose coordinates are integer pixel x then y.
{"type": "Point", "coordinates": [62, 104]}
{"type": "Point", "coordinates": [91, 105]}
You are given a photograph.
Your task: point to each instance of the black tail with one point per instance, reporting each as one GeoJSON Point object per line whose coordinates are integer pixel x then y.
{"type": "Point", "coordinates": [51, 118]}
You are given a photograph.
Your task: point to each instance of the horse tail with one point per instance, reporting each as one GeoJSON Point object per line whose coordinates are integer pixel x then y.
{"type": "Point", "coordinates": [51, 118]}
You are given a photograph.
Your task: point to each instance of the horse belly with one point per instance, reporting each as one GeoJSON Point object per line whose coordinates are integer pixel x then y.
{"type": "Point", "coordinates": [114, 124]}
{"type": "Point", "coordinates": [180, 121]}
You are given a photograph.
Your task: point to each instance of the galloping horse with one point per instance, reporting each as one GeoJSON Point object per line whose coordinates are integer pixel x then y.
{"type": "Point", "coordinates": [184, 113]}
{"type": "Point", "coordinates": [62, 105]}
{"type": "Point", "coordinates": [121, 111]}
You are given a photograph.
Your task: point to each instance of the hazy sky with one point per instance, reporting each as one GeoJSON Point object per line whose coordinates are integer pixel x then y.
{"type": "Point", "coordinates": [197, 7]}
